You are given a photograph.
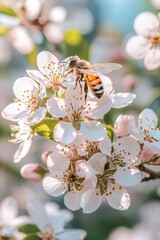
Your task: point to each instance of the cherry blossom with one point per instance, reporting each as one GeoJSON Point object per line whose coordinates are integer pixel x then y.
{"type": "Point", "coordinates": [67, 174]}
{"type": "Point", "coordinates": [81, 115]}
{"type": "Point", "coordinates": [51, 221]}
{"type": "Point", "coordinates": [28, 106]}
{"type": "Point", "coordinates": [24, 135]}
{"type": "Point", "coordinates": [51, 72]}
{"type": "Point", "coordinates": [146, 43]}
{"type": "Point", "coordinates": [103, 184]}
{"type": "Point", "coordinates": [9, 219]}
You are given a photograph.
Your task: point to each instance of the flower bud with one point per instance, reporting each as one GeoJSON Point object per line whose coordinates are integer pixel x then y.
{"type": "Point", "coordinates": [121, 126]}
{"type": "Point", "coordinates": [146, 155]}
{"type": "Point", "coordinates": [33, 172]}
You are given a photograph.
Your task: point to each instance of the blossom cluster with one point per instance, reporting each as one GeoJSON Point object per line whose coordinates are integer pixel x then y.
{"type": "Point", "coordinates": [91, 160]}
{"type": "Point", "coordinates": [45, 221]}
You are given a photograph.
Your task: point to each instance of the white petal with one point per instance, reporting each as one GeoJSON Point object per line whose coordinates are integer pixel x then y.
{"type": "Point", "coordinates": [97, 163]}
{"type": "Point", "coordinates": [15, 111]}
{"type": "Point", "coordinates": [146, 23]}
{"type": "Point", "coordinates": [120, 100]}
{"type": "Point", "coordinates": [91, 200]}
{"type": "Point", "coordinates": [22, 150]}
{"type": "Point", "coordinates": [107, 85]}
{"type": "Point", "coordinates": [36, 116]}
{"type": "Point", "coordinates": [24, 85]}
{"type": "Point", "coordinates": [72, 199]}
{"type": "Point", "coordinates": [8, 209]}
{"type": "Point", "coordinates": [152, 58]}
{"type": "Point", "coordinates": [38, 213]}
{"type": "Point", "coordinates": [42, 90]}
{"type": "Point", "coordinates": [147, 121]}
{"type": "Point", "coordinates": [101, 106]}
{"type": "Point", "coordinates": [75, 97]}
{"type": "Point", "coordinates": [117, 197]}
{"type": "Point", "coordinates": [57, 163]}
{"type": "Point", "coordinates": [105, 146]}
{"type": "Point", "coordinates": [92, 130]}
{"type": "Point", "coordinates": [36, 75]}
{"type": "Point", "coordinates": [156, 134]}
{"type": "Point", "coordinates": [20, 37]}
{"type": "Point", "coordinates": [69, 234]}
{"type": "Point", "coordinates": [137, 46]}
{"type": "Point", "coordinates": [56, 107]}
{"type": "Point", "coordinates": [53, 186]}
{"type": "Point", "coordinates": [127, 147]}
{"type": "Point", "coordinates": [43, 59]}
{"type": "Point", "coordinates": [128, 176]}
{"type": "Point", "coordinates": [64, 132]}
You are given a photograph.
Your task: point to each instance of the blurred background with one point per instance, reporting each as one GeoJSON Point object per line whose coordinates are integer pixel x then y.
{"type": "Point", "coordinates": [96, 30]}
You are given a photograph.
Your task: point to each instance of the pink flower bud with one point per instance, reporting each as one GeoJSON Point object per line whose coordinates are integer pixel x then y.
{"type": "Point", "coordinates": [146, 155]}
{"type": "Point", "coordinates": [121, 125]}
{"type": "Point", "coordinates": [45, 156]}
{"type": "Point", "coordinates": [33, 172]}
{"type": "Point", "coordinates": [129, 82]}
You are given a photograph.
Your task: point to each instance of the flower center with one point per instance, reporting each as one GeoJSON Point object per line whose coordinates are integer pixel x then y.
{"type": "Point", "coordinates": [48, 234]}
{"type": "Point", "coordinates": [155, 40]}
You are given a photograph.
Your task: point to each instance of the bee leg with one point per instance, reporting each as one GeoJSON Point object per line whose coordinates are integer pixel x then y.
{"type": "Point", "coordinates": [86, 90]}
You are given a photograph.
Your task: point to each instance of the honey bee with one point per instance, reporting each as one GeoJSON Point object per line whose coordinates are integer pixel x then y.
{"type": "Point", "coordinates": [90, 74]}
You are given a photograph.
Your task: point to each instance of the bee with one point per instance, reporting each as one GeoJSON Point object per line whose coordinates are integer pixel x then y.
{"type": "Point", "coordinates": [90, 74]}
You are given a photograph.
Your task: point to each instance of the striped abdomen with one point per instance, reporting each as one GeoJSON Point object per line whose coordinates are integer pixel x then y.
{"type": "Point", "coordinates": [95, 84]}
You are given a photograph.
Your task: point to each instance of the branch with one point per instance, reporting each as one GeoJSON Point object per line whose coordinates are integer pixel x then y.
{"type": "Point", "coordinates": [151, 174]}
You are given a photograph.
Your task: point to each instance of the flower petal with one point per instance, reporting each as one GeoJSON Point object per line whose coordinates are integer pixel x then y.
{"type": "Point", "coordinates": [22, 150]}
{"type": "Point", "coordinates": [117, 197]}
{"type": "Point", "coordinates": [137, 46]}
{"type": "Point", "coordinates": [15, 111]}
{"type": "Point", "coordinates": [72, 199]}
{"type": "Point", "coordinates": [36, 116]}
{"type": "Point", "coordinates": [92, 130]}
{"type": "Point", "coordinates": [36, 75]}
{"type": "Point", "coordinates": [57, 163]}
{"type": "Point", "coordinates": [56, 107]}
{"type": "Point", "coordinates": [152, 58]}
{"type": "Point", "coordinates": [127, 147]}
{"type": "Point", "coordinates": [147, 122]}
{"type": "Point", "coordinates": [37, 212]}
{"type": "Point", "coordinates": [64, 132]}
{"type": "Point", "coordinates": [105, 146]}
{"type": "Point", "coordinates": [91, 200]}
{"type": "Point", "coordinates": [120, 100]}
{"type": "Point", "coordinates": [23, 86]}
{"type": "Point", "coordinates": [100, 106]}
{"type": "Point", "coordinates": [146, 24]}
{"type": "Point", "coordinates": [69, 234]}
{"type": "Point", "coordinates": [53, 186]}
{"type": "Point", "coordinates": [128, 175]}
{"type": "Point", "coordinates": [8, 209]}
{"type": "Point", "coordinates": [44, 59]}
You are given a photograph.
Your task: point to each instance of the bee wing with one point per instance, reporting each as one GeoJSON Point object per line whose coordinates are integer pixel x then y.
{"type": "Point", "coordinates": [88, 72]}
{"type": "Point", "coordinates": [105, 68]}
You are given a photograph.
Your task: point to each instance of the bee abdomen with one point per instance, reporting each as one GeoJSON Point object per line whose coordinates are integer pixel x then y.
{"type": "Point", "coordinates": [95, 85]}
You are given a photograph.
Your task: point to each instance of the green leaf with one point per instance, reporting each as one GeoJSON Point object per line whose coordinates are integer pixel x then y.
{"type": "Point", "coordinates": [32, 56]}
{"type": "Point", "coordinates": [110, 131]}
{"type": "Point", "coordinates": [3, 30]}
{"type": "Point", "coordinates": [32, 237]}
{"type": "Point", "coordinates": [45, 128]}
{"type": "Point", "coordinates": [28, 229]}
{"type": "Point", "coordinates": [7, 10]}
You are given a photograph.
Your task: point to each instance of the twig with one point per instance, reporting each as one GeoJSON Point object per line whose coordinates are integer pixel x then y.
{"type": "Point", "coordinates": [152, 175]}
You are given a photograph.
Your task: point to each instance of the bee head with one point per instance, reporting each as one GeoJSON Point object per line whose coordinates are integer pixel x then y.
{"type": "Point", "coordinates": [72, 62]}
